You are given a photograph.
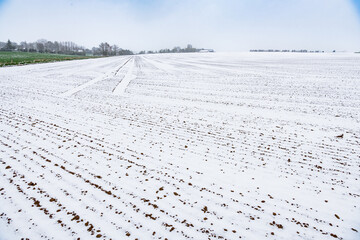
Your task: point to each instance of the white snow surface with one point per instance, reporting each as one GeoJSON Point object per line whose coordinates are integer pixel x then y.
{"type": "Point", "coordinates": [182, 146]}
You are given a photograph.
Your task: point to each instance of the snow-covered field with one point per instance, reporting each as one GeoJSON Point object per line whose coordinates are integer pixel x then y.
{"type": "Point", "coordinates": [186, 146]}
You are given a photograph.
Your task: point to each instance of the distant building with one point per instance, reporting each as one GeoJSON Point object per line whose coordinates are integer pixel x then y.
{"type": "Point", "coordinates": [206, 50]}
{"type": "Point", "coordinates": [294, 51]}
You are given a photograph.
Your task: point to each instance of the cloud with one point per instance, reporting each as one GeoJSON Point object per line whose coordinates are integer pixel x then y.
{"type": "Point", "coordinates": [220, 24]}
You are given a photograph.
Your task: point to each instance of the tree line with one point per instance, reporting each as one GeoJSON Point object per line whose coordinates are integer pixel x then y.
{"type": "Point", "coordinates": [69, 48]}
{"type": "Point", "coordinates": [105, 49]}
{"type": "Point", "coordinates": [189, 48]}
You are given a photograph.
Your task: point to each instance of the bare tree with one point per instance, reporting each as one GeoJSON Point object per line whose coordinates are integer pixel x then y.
{"type": "Point", "coordinates": [104, 48]}
{"type": "Point", "coordinates": [23, 47]}
{"type": "Point", "coordinates": [115, 50]}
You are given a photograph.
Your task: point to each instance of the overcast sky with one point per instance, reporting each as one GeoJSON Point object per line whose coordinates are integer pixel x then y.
{"type": "Point", "coordinates": [225, 25]}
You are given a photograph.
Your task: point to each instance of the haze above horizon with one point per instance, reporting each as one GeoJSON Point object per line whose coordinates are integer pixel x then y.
{"type": "Point", "coordinates": [224, 25]}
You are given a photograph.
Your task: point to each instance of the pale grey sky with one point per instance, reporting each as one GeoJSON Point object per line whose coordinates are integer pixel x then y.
{"type": "Point", "coordinates": [225, 25]}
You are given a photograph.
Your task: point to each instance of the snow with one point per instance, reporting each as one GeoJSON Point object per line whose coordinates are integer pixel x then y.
{"type": "Point", "coordinates": [121, 87]}
{"type": "Point", "coordinates": [182, 146]}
